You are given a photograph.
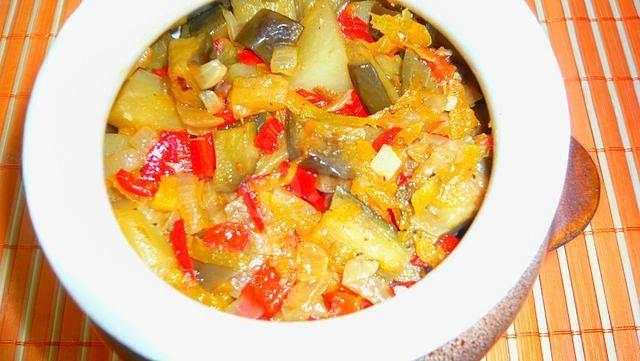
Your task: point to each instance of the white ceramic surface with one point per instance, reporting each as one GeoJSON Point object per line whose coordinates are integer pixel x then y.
{"type": "Point", "coordinates": [68, 202]}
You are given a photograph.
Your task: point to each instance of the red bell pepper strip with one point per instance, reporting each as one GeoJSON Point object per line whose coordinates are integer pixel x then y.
{"type": "Point", "coordinates": [303, 185]}
{"type": "Point", "coordinates": [352, 26]}
{"type": "Point", "coordinates": [218, 45]}
{"type": "Point", "coordinates": [283, 168]}
{"type": "Point", "coordinates": [416, 261]}
{"type": "Point", "coordinates": [266, 289]}
{"type": "Point", "coordinates": [168, 156]}
{"type": "Point", "coordinates": [250, 199]}
{"type": "Point", "coordinates": [353, 107]}
{"type": "Point", "coordinates": [448, 242]}
{"type": "Point", "coordinates": [392, 218]}
{"type": "Point", "coordinates": [267, 138]}
{"type": "Point", "coordinates": [178, 239]}
{"type": "Point", "coordinates": [227, 114]}
{"type": "Point", "coordinates": [313, 98]}
{"type": "Point", "coordinates": [385, 138]}
{"type": "Point", "coordinates": [402, 177]}
{"type": "Point", "coordinates": [399, 287]}
{"type": "Point", "coordinates": [138, 186]}
{"type": "Point", "coordinates": [248, 57]}
{"type": "Point", "coordinates": [230, 235]}
{"type": "Point", "coordinates": [161, 72]}
{"type": "Point", "coordinates": [203, 156]}
{"type": "Point", "coordinates": [343, 301]}
{"type": "Point", "coordinates": [440, 66]}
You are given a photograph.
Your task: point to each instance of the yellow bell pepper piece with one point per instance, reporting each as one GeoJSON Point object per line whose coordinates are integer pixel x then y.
{"type": "Point", "coordinates": [166, 198]}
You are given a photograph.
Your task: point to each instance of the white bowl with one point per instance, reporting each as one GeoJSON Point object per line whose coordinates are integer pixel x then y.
{"type": "Point", "coordinates": [68, 202]}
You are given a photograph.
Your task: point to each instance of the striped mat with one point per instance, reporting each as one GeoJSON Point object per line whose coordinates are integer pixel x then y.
{"type": "Point", "coordinates": [584, 305]}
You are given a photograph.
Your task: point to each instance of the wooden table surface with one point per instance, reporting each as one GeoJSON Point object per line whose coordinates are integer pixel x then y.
{"type": "Point", "coordinates": [584, 304]}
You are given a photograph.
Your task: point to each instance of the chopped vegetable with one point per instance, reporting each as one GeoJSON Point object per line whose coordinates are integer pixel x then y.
{"type": "Point", "coordinates": [368, 84]}
{"type": "Point", "coordinates": [135, 185]}
{"type": "Point", "coordinates": [448, 242]}
{"type": "Point", "coordinates": [232, 165]}
{"type": "Point", "coordinates": [232, 236]}
{"type": "Point", "coordinates": [179, 243]}
{"type": "Point", "coordinates": [212, 102]}
{"type": "Point", "coordinates": [344, 302]}
{"type": "Point", "coordinates": [353, 106]}
{"type": "Point", "coordinates": [359, 276]}
{"type": "Point", "coordinates": [143, 101]}
{"type": "Point", "coordinates": [352, 26]}
{"type": "Point", "coordinates": [248, 57]}
{"type": "Point", "coordinates": [322, 55]}
{"type": "Point", "coordinates": [166, 198]}
{"type": "Point", "coordinates": [385, 138]}
{"type": "Point", "coordinates": [402, 31]}
{"type": "Point", "coordinates": [268, 137]}
{"type": "Point", "coordinates": [350, 221]}
{"type": "Point", "coordinates": [250, 199]}
{"type": "Point", "coordinates": [251, 96]}
{"type": "Point", "coordinates": [416, 73]}
{"type": "Point", "coordinates": [266, 290]}
{"type": "Point", "coordinates": [386, 163]}
{"type": "Point", "coordinates": [401, 287]}
{"type": "Point", "coordinates": [247, 9]}
{"type": "Point", "coordinates": [304, 186]}
{"type": "Point", "coordinates": [208, 20]}
{"type": "Point", "coordinates": [190, 204]}
{"type": "Point", "coordinates": [203, 156]}
{"type": "Point", "coordinates": [210, 74]}
{"type": "Point", "coordinates": [168, 156]}
{"type": "Point", "coordinates": [268, 30]}
{"type": "Point", "coordinates": [284, 60]}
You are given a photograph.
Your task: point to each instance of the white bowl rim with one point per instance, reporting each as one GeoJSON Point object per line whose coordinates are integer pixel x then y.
{"type": "Point", "coordinates": [78, 233]}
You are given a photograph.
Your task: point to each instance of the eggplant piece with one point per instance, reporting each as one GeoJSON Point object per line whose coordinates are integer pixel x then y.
{"type": "Point", "coordinates": [211, 275]}
{"type": "Point", "coordinates": [328, 165]}
{"type": "Point", "coordinates": [208, 20]}
{"type": "Point", "coordinates": [267, 30]}
{"type": "Point", "coordinates": [415, 72]}
{"type": "Point", "coordinates": [236, 156]}
{"type": "Point", "coordinates": [368, 85]}
{"type": "Point", "coordinates": [352, 222]}
{"type": "Point", "coordinates": [293, 133]}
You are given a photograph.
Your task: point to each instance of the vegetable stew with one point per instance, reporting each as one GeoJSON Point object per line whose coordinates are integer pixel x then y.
{"type": "Point", "coordinates": [295, 160]}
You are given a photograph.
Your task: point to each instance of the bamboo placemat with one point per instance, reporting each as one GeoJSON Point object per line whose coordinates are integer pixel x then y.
{"type": "Point", "coordinates": [585, 303]}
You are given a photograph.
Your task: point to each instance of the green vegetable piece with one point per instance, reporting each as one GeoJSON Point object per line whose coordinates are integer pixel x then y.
{"type": "Point", "coordinates": [350, 221]}
{"type": "Point", "coordinates": [236, 156]}
{"type": "Point", "coordinates": [208, 20]}
{"type": "Point", "coordinates": [415, 73]}
{"type": "Point", "coordinates": [267, 30]}
{"type": "Point", "coordinates": [368, 85]}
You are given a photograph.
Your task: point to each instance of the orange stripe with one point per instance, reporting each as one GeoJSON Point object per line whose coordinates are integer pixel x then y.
{"type": "Point", "coordinates": [69, 7]}
{"type": "Point", "coordinates": [71, 330]}
{"type": "Point", "coordinates": [98, 353]}
{"type": "Point", "coordinates": [526, 327]}
{"type": "Point", "coordinates": [585, 298]}
{"type": "Point", "coordinates": [555, 307]}
{"type": "Point", "coordinates": [500, 351]}
{"type": "Point", "coordinates": [13, 301]}
{"type": "Point", "coordinates": [42, 316]}
{"type": "Point", "coordinates": [632, 27]}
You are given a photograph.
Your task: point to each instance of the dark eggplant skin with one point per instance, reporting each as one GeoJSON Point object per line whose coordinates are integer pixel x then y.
{"type": "Point", "coordinates": [206, 20]}
{"type": "Point", "coordinates": [267, 30]}
{"type": "Point", "coordinates": [328, 165]}
{"type": "Point", "coordinates": [293, 133]}
{"type": "Point", "coordinates": [368, 85]}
